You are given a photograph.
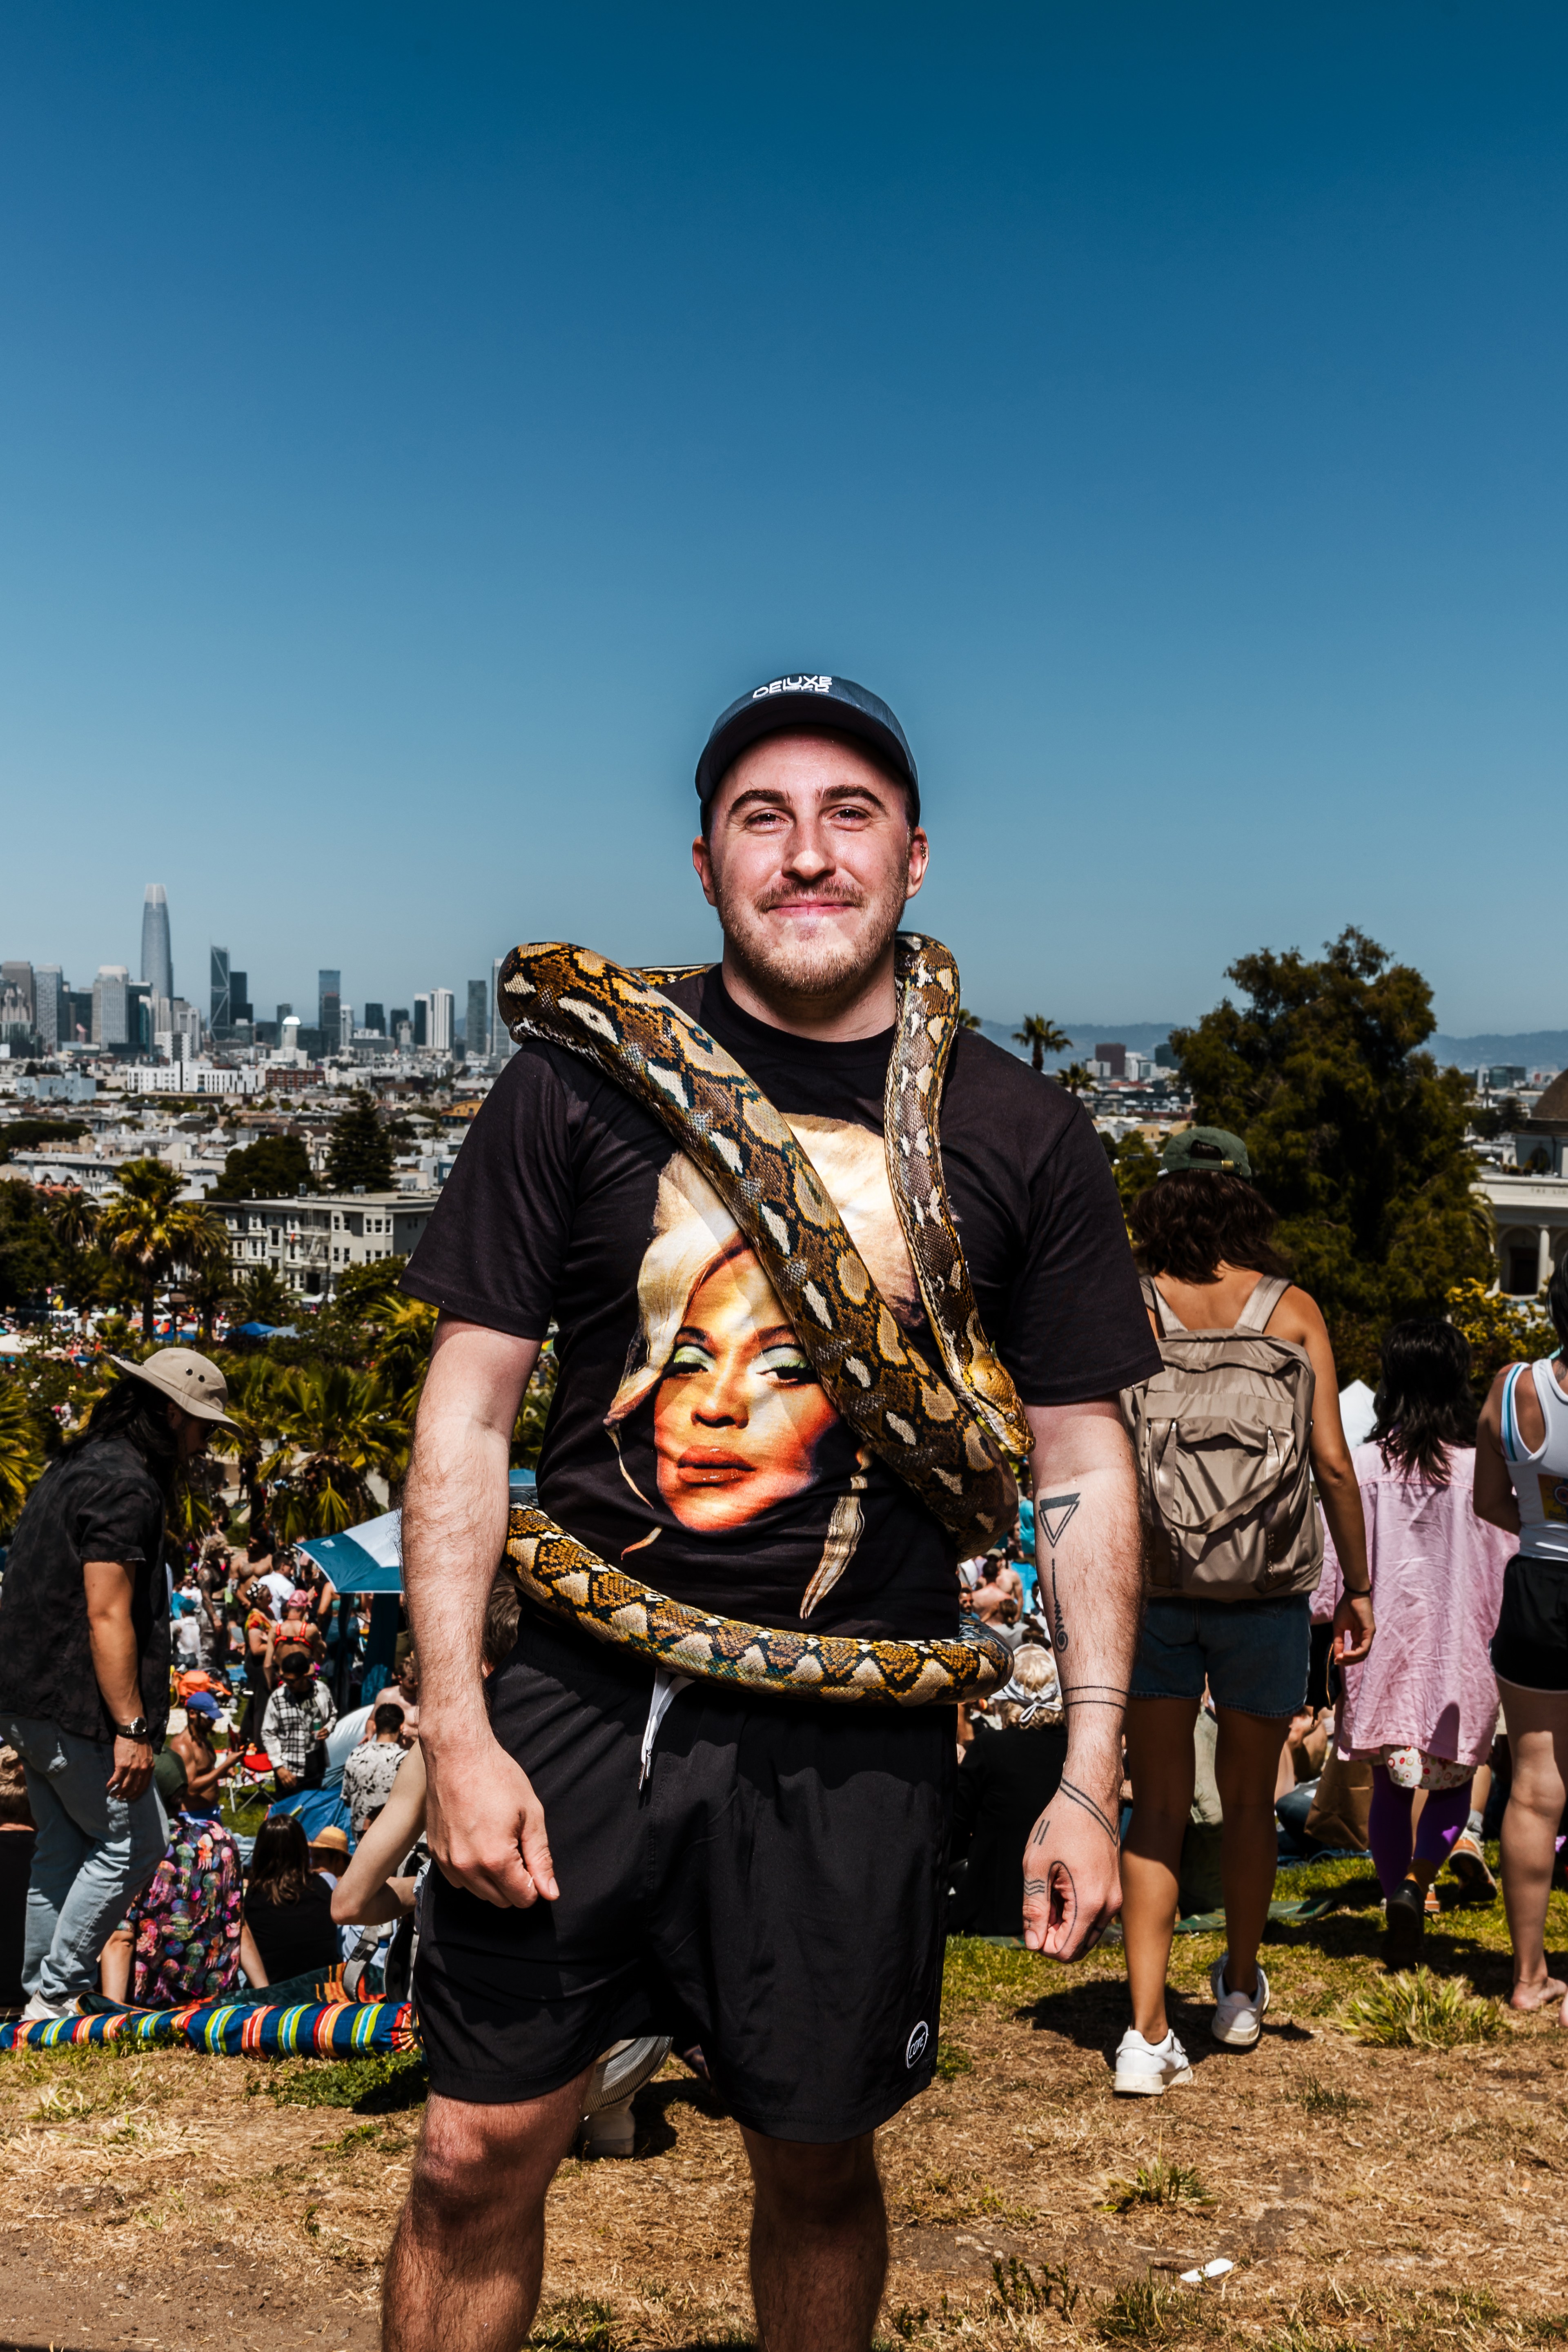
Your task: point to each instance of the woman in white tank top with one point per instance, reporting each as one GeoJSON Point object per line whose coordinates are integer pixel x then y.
{"type": "Point", "coordinates": [1522, 1486]}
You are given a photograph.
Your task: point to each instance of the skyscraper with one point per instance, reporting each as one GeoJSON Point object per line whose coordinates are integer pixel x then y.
{"type": "Point", "coordinates": [17, 1002]}
{"type": "Point", "coordinates": [500, 1035]}
{"type": "Point", "coordinates": [329, 998]}
{"type": "Point", "coordinates": [157, 954]}
{"type": "Point", "coordinates": [218, 1018]}
{"type": "Point", "coordinates": [476, 1030]}
{"type": "Point", "coordinates": [443, 1009]}
{"type": "Point", "coordinates": [375, 1018]}
{"type": "Point", "coordinates": [110, 994]}
{"type": "Point", "coordinates": [239, 996]}
{"type": "Point", "coordinates": [422, 1021]}
{"type": "Point", "coordinates": [48, 1012]}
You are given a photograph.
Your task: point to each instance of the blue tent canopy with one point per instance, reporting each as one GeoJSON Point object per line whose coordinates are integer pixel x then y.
{"type": "Point", "coordinates": [369, 1559]}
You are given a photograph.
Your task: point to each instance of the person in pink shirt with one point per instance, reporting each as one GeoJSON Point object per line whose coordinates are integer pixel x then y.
{"type": "Point", "coordinates": [1422, 1707]}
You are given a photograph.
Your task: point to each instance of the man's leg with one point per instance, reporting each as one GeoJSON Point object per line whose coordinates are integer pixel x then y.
{"type": "Point", "coordinates": [819, 2242]}
{"type": "Point", "coordinates": [58, 1851]}
{"type": "Point", "coordinates": [467, 2260]}
{"type": "Point", "coordinates": [112, 1853]}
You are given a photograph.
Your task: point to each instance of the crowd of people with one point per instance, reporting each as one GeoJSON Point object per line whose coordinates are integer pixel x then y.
{"type": "Point", "coordinates": [1257, 1728]}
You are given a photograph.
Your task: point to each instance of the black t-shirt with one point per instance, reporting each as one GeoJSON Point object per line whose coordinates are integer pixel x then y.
{"type": "Point", "coordinates": [294, 1938]}
{"type": "Point", "coordinates": [689, 1442]}
{"type": "Point", "coordinates": [102, 1503]}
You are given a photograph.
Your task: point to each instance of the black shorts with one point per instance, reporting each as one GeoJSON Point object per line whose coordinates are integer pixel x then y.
{"type": "Point", "coordinates": [1531, 1644]}
{"type": "Point", "coordinates": [776, 1887]}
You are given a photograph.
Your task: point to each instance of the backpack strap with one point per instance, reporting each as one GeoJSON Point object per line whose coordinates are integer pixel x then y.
{"type": "Point", "coordinates": [1265, 1296]}
{"type": "Point", "coordinates": [1169, 1325]}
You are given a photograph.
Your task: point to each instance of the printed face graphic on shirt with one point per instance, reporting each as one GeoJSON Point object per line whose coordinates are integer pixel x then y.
{"type": "Point", "coordinates": [738, 1413]}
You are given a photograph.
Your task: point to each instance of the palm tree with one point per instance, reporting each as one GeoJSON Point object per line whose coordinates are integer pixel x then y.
{"type": "Point", "coordinates": [340, 1425]}
{"type": "Point", "coordinates": [255, 1409]}
{"type": "Point", "coordinates": [21, 1449]}
{"type": "Point", "coordinates": [150, 1230]}
{"type": "Point", "coordinates": [1042, 1038]}
{"type": "Point", "coordinates": [73, 1220]}
{"type": "Point", "coordinates": [967, 1020]}
{"type": "Point", "coordinates": [1075, 1077]}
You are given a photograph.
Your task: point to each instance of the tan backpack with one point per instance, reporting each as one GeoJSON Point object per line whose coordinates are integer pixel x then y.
{"type": "Point", "coordinates": [1222, 1437]}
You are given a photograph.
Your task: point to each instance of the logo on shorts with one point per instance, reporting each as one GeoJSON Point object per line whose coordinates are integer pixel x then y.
{"type": "Point", "coordinates": [917, 2045]}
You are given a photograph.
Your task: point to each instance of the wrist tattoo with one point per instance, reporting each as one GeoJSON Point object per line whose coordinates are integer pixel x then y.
{"type": "Point", "coordinates": [1068, 1790]}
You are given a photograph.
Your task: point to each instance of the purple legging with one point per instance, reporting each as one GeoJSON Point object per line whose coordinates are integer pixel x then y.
{"type": "Point", "coordinates": [1443, 1816]}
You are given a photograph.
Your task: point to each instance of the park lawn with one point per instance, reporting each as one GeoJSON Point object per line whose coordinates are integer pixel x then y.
{"type": "Point", "coordinates": [1406, 2197]}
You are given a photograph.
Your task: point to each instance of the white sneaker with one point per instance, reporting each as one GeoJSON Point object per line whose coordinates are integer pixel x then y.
{"type": "Point", "coordinates": [1237, 2016]}
{"type": "Point", "coordinates": [39, 2010]}
{"type": "Point", "coordinates": [1147, 2069]}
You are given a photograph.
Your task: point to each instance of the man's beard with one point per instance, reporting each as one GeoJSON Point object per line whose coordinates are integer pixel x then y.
{"type": "Point", "coordinates": [776, 962]}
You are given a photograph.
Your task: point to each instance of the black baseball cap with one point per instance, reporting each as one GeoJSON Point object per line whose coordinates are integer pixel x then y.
{"type": "Point", "coordinates": [806, 700]}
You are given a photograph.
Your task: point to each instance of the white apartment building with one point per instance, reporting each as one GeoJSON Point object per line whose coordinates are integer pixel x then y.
{"type": "Point", "coordinates": [310, 1241]}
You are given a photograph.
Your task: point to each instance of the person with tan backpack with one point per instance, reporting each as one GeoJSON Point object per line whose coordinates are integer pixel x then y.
{"type": "Point", "coordinates": [1229, 1435]}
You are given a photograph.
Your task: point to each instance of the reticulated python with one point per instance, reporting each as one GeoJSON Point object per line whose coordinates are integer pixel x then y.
{"type": "Point", "coordinates": [944, 1437]}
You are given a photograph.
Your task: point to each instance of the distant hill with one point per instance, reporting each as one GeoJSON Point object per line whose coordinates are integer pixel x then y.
{"type": "Point", "coordinates": [1537, 1049]}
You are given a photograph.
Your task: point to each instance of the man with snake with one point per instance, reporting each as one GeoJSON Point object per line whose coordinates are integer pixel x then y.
{"type": "Point", "coordinates": [824, 1267]}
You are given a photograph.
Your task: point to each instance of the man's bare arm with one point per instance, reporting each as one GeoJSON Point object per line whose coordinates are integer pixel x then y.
{"type": "Point", "coordinates": [1088, 1551]}
{"type": "Point", "coordinates": [484, 1823]}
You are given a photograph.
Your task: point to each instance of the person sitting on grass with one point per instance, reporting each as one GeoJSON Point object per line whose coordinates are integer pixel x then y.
{"type": "Point", "coordinates": [372, 1767]}
{"type": "Point", "coordinates": [288, 1908]}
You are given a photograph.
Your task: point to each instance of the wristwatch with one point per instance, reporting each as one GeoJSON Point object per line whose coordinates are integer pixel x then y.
{"type": "Point", "coordinates": [135, 1729]}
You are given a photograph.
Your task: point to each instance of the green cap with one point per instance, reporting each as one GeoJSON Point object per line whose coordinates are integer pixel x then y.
{"type": "Point", "coordinates": [1206, 1147]}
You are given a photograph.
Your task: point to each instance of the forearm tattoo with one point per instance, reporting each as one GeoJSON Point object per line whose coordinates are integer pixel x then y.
{"type": "Point", "coordinates": [1052, 1516]}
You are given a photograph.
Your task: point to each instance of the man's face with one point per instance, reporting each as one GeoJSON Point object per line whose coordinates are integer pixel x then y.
{"type": "Point", "coordinates": [191, 1432]}
{"type": "Point", "coordinates": [809, 861]}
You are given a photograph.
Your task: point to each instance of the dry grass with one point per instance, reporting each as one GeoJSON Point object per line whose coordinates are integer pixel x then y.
{"type": "Point", "coordinates": [1407, 2198]}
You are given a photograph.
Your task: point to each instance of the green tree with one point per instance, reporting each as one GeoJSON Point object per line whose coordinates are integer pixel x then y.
{"type": "Point", "coordinates": [73, 1220]}
{"type": "Point", "coordinates": [337, 1430]}
{"type": "Point", "coordinates": [21, 1449]}
{"type": "Point", "coordinates": [257, 1411]}
{"type": "Point", "coordinates": [36, 1134]}
{"type": "Point", "coordinates": [361, 1150]}
{"type": "Point", "coordinates": [1500, 1331]}
{"type": "Point", "coordinates": [967, 1020]}
{"type": "Point", "coordinates": [1042, 1038]}
{"type": "Point", "coordinates": [1135, 1164]}
{"type": "Point", "coordinates": [1356, 1137]}
{"type": "Point", "coordinates": [28, 1257]}
{"type": "Point", "coordinates": [263, 1297]}
{"type": "Point", "coordinates": [1493, 1119]}
{"type": "Point", "coordinates": [1075, 1077]}
{"type": "Point", "coordinates": [276, 1168]}
{"type": "Point", "coordinates": [150, 1231]}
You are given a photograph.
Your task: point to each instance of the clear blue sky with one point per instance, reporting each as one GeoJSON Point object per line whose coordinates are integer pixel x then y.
{"type": "Point", "coordinates": [416, 422]}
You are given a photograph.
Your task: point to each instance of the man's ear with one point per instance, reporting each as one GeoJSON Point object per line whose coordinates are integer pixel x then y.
{"type": "Point", "coordinates": [702, 860]}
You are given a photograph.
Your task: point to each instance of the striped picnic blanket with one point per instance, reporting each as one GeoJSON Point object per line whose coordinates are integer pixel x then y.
{"type": "Point", "coordinates": [236, 2029]}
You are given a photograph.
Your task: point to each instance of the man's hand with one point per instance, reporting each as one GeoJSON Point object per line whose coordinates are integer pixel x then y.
{"type": "Point", "coordinates": [284, 1777]}
{"type": "Point", "coordinates": [1072, 1878]}
{"type": "Point", "coordinates": [1354, 1626]}
{"type": "Point", "coordinates": [486, 1827]}
{"type": "Point", "coordinates": [132, 1770]}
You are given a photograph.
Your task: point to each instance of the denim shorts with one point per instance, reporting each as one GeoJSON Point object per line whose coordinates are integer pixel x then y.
{"type": "Point", "coordinates": [1252, 1653]}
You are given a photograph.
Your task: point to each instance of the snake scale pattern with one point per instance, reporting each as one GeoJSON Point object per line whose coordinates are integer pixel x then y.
{"type": "Point", "coordinates": [945, 1437]}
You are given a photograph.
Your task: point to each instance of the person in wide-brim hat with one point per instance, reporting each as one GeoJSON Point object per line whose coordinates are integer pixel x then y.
{"type": "Point", "coordinates": [84, 1660]}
